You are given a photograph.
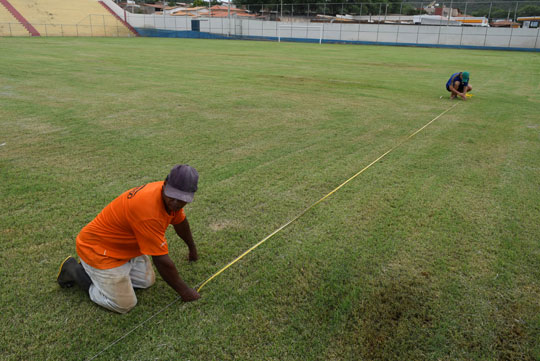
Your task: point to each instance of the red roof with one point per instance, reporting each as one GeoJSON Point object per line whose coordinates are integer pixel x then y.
{"type": "Point", "coordinates": [224, 14]}
{"type": "Point", "coordinates": [226, 8]}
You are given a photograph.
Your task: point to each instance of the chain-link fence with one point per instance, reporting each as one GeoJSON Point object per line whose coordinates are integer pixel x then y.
{"type": "Point", "coordinates": [90, 25]}
{"type": "Point", "coordinates": [16, 29]}
{"type": "Point", "coordinates": [509, 10]}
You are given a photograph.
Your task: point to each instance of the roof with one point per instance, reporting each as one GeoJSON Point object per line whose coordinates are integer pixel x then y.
{"type": "Point", "coordinates": [218, 7]}
{"type": "Point", "coordinates": [528, 18]}
{"type": "Point", "coordinates": [224, 14]}
{"type": "Point", "coordinates": [503, 23]}
{"type": "Point", "coordinates": [226, 8]}
{"type": "Point", "coordinates": [183, 13]}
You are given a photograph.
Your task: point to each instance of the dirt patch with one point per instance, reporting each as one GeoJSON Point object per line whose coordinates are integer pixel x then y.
{"type": "Point", "coordinates": [221, 225]}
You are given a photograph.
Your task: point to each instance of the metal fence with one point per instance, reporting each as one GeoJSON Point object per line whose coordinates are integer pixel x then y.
{"type": "Point", "coordinates": [14, 29]}
{"type": "Point", "coordinates": [90, 25]}
{"type": "Point", "coordinates": [510, 10]}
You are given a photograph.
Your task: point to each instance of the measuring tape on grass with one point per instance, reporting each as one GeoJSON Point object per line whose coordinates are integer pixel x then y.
{"type": "Point", "coordinates": [276, 231]}
{"type": "Point", "coordinates": [319, 201]}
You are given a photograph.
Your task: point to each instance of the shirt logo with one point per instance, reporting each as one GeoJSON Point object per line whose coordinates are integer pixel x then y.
{"type": "Point", "coordinates": [134, 191]}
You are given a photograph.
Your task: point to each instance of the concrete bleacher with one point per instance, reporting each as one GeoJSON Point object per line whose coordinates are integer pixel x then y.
{"type": "Point", "coordinates": [9, 26]}
{"type": "Point", "coordinates": [70, 18]}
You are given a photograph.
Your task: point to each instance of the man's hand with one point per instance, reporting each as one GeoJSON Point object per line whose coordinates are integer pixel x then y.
{"type": "Point", "coordinates": [463, 96]}
{"type": "Point", "coordinates": [169, 273]}
{"type": "Point", "coordinates": [190, 295]}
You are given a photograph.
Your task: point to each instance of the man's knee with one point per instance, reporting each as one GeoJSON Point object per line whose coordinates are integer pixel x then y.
{"type": "Point", "coordinates": [115, 294]}
{"type": "Point", "coordinates": [124, 306]}
{"type": "Point", "coordinates": [120, 303]}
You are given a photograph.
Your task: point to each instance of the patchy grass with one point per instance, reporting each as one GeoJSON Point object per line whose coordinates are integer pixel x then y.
{"type": "Point", "coordinates": [433, 253]}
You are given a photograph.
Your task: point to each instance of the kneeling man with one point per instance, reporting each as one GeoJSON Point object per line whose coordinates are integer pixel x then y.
{"type": "Point", "coordinates": [458, 85]}
{"type": "Point", "coordinates": [115, 247]}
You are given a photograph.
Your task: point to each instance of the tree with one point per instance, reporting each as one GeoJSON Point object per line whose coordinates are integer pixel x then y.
{"type": "Point", "coordinates": [529, 10]}
{"type": "Point", "coordinates": [499, 8]}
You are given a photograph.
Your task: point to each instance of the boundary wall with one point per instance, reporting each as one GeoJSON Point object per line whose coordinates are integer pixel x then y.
{"type": "Point", "coordinates": [406, 35]}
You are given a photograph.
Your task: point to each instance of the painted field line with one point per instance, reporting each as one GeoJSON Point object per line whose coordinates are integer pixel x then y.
{"type": "Point", "coordinates": [276, 231]}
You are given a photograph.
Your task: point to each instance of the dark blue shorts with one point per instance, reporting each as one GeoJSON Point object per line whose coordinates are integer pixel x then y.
{"type": "Point", "coordinates": [459, 89]}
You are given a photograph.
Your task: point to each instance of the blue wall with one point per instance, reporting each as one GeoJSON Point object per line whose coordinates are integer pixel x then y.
{"type": "Point", "coordinates": [160, 33]}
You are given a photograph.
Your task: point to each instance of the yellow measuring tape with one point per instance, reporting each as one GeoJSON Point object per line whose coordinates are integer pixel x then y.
{"type": "Point", "coordinates": [319, 201]}
{"type": "Point", "coordinates": [269, 236]}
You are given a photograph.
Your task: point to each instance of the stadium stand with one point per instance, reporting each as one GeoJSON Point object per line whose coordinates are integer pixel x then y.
{"type": "Point", "coordinates": [71, 18]}
{"type": "Point", "coordinates": [9, 25]}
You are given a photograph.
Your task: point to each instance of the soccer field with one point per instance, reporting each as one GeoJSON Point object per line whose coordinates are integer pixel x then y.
{"type": "Point", "coordinates": [432, 253]}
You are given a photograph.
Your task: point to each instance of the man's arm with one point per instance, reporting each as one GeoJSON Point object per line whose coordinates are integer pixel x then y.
{"type": "Point", "coordinates": [169, 273]}
{"type": "Point", "coordinates": [183, 231]}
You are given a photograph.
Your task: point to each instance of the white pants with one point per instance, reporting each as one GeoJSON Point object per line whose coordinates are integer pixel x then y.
{"type": "Point", "coordinates": [113, 288]}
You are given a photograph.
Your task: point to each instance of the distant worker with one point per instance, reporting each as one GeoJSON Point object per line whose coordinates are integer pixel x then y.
{"type": "Point", "coordinates": [458, 85]}
{"type": "Point", "coordinates": [115, 246]}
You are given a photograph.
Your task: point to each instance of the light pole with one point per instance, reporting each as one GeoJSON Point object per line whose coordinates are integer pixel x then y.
{"type": "Point", "coordinates": [229, 18]}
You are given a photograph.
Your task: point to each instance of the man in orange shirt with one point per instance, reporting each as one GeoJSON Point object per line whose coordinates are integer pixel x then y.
{"type": "Point", "coordinates": [115, 247]}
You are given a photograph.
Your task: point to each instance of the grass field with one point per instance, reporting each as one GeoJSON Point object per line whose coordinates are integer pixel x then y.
{"type": "Point", "coordinates": [433, 253]}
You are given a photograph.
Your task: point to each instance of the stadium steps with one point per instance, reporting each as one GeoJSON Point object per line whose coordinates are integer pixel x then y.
{"type": "Point", "coordinates": [12, 27]}
{"type": "Point", "coordinates": [9, 26]}
{"type": "Point", "coordinates": [70, 18]}
{"type": "Point", "coordinates": [119, 19]}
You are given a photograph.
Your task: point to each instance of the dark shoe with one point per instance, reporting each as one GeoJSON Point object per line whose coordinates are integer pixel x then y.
{"type": "Point", "coordinates": [65, 275]}
{"type": "Point", "coordinates": [71, 273]}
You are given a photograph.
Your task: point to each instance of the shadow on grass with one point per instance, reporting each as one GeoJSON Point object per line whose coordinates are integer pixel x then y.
{"type": "Point", "coordinates": [397, 313]}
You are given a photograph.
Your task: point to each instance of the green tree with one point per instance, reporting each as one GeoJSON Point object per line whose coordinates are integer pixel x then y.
{"type": "Point", "coordinates": [529, 10]}
{"type": "Point", "coordinates": [500, 14]}
{"type": "Point", "coordinates": [411, 10]}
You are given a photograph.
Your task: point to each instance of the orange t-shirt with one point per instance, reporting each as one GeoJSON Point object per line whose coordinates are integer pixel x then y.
{"type": "Point", "coordinates": [130, 226]}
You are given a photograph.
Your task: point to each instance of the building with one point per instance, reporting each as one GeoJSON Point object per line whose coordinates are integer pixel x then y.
{"type": "Point", "coordinates": [529, 22]}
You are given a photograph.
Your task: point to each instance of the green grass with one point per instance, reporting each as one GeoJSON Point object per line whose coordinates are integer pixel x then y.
{"type": "Point", "coordinates": [431, 254]}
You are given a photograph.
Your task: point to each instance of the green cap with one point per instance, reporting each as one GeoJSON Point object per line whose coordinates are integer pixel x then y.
{"type": "Point", "coordinates": [465, 76]}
